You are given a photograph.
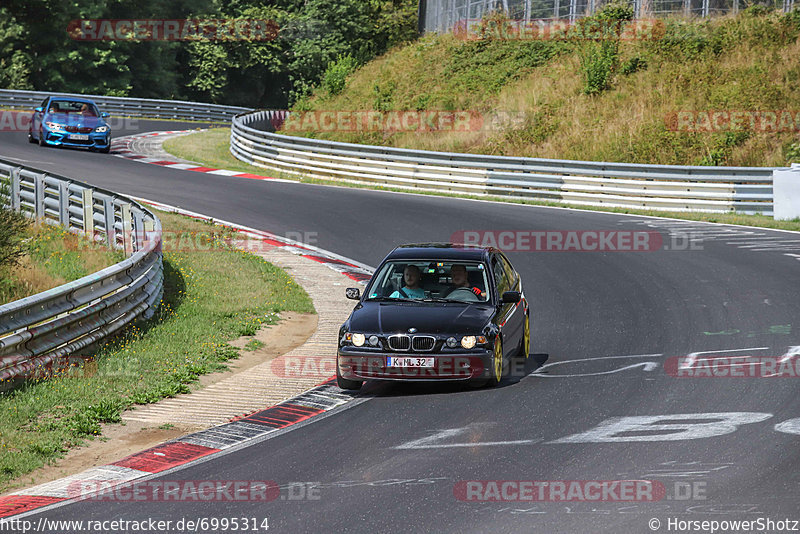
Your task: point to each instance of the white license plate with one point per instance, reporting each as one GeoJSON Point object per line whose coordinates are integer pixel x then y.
{"type": "Point", "coordinates": [405, 361]}
{"type": "Point", "coordinates": [79, 137]}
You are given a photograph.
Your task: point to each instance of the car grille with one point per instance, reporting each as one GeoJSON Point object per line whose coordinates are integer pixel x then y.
{"type": "Point", "coordinates": [75, 129]}
{"type": "Point", "coordinates": [399, 342]}
{"type": "Point", "coordinates": [423, 343]}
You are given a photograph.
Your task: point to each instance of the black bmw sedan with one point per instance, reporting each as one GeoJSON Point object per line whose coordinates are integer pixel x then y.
{"type": "Point", "coordinates": [435, 312]}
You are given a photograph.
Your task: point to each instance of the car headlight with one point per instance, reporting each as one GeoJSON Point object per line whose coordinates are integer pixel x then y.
{"type": "Point", "coordinates": [55, 126]}
{"type": "Point", "coordinates": [452, 342]}
{"type": "Point", "coordinates": [469, 342]}
{"type": "Point", "coordinates": [358, 340]}
{"type": "Point", "coordinates": [374, 341]}
{"type": "Point", "coordinates": [101, 129]}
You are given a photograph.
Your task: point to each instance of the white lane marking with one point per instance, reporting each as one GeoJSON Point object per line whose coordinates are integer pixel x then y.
{"type": "Point", "coordinates": [670, 427]}
{"type": "Point", "coordinates": [432, 442]}
{"type": "Point", "coordinates": [752, 239]}
{"type": "Point", "coordinates": [792, 426]}
{"type": "Point", "coordinates": [791, 353]}
{"type": "Point", "coordinates": [647, 366]}
{"type": "Point", "coordinates": [223, 172]}
{"type": "Point", "coordinates": [691, 358]}
{"type": "Point", "coordinates": [181, 166]}
{"type": "Point", "coordinates": [774, 249]}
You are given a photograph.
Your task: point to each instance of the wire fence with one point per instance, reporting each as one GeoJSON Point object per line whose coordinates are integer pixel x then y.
{"type": "Point", "coordinates": [443, 15]}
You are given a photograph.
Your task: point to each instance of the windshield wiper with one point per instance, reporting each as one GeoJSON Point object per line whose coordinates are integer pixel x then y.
{"type": "Point", "coordinates": [390, 299]}
{"type": "Point", "coordinates": [439, 299]}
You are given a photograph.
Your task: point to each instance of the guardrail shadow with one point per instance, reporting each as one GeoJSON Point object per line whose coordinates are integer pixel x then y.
{"type": "Point", "coordinates": [86, 362]}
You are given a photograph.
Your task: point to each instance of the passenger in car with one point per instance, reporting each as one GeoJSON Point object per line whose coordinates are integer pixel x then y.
{"type": "Point", "coordinates": [412, 289]}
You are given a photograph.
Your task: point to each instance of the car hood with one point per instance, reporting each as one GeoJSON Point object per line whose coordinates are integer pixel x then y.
{"type": "Point", "coordinates": [71, 119]}
{"type": "Point", "coordinates": [427, 318]}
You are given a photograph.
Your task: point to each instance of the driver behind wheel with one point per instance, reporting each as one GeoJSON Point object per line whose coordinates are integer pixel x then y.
{"type": "Point", "coordinates": [458, 273]}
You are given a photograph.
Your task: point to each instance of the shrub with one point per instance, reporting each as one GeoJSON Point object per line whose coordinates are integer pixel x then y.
{"type": "Point", "coordinates": [335, 78]}
{"type": "Point", "coordinates": [793, 153]}
{"type": "Point", "coordinates": [12, 232]}
{"type": "Point", "coordinates": [634, 64]}
{"type": "Point", "coordinates": [598, 62]}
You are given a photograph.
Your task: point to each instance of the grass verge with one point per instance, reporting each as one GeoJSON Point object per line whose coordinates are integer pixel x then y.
{"type": "Point", "coordinates": [210, 297]}
{"type": "Point", "coordinates": [211, 149]}
{"type": "Point", "coordinates": [580, 99]}
{"type": "Point", "coordinates": [53, 257]}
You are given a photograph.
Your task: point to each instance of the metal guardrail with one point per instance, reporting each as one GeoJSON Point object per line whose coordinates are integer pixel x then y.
{"type": "Point", "coordinates": [38, 331]}
{"type": "Point", "coordinates": [129, 107]}
{"type": "Point", "coordinates": [623, 185]}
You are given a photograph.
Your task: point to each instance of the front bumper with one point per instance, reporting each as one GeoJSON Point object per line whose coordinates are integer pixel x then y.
{"type": "Point", "coordinates": [356, 365]}
{"type": "Point", "coordinates": [95, 140]}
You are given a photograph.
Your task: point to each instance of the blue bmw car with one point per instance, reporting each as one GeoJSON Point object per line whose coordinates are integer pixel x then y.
{"type": "Point", "coordinates": [72, 122]}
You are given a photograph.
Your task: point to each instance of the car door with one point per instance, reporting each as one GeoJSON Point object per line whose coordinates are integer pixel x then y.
{"type": "Point", "coordinates": [506, 311]}
{"type": "Point", "coordinates": [517, 319]}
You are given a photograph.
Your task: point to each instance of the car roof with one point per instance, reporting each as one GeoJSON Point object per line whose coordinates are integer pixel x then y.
{"type": "Point", "coordinates": [72, 99]}
{"type": "Point", "coordinates": [440, 251]}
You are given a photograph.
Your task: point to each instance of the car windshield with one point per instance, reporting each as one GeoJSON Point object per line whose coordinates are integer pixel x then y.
{"type": "Point", "coordinates": [430, 281]}
{"type": "Point", "coordinates": [73, 107]}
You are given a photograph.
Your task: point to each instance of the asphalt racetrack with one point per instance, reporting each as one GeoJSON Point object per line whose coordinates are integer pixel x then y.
{"type": "Point", "coordinates": [612, 324]}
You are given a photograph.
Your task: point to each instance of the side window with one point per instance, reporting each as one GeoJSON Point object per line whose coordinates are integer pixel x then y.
{"type": "Point", "coordinates": [512, 278]}
{"type": "Point", "coordinates": [501, 280]}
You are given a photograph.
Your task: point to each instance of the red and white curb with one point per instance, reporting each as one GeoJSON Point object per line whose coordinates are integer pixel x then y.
{"type": "Point", "coordinates": [352, 269]}
{"type": "Point", "coordinates": [239, 433]}
{"type": "Point", "coordinates": [121, 147]}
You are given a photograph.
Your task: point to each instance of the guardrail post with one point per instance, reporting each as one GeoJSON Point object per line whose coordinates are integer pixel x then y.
{"type": "Point", "coordinates": [138, 230]}
{"type": "Point", "coordinates": [63, 203]}
{"type": "Point", "coordinates": [38, 196]}
{"type": "Point", "coordinates": [127, 238]}
{"type": "Point", "coordinates": [108, 214]}
{"type": "Point", "coordinates": [15, 198]}
{"type": "Point", "coordinates": [149, 228]}
{"type": "Point", "coordinates": [786, 193]}
{"type": "Point", "coordinates": [88, 214]}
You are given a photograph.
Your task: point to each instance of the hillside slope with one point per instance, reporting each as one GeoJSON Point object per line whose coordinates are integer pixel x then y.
{"type": "Point", "coordinates": [582, 99]}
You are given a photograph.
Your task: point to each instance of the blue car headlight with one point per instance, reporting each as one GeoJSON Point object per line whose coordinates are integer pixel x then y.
{"type": "Point", "coordinates": [55, 126]}
{"type": "Point", "coordinates": [101, 129]}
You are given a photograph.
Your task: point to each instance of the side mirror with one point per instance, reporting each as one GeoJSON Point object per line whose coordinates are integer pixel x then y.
{"type": "Point", "coordinates": [39, 109]}
{"type": "Point", "coordinates": [104, 115]}
{"type": "Point", "coordinates": [510, 297]}
{"type": "Point", "coordinates": [353, 293]}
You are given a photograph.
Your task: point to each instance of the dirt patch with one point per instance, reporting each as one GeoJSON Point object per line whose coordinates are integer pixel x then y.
{"type": "Point", "coordinates": [120, 440]}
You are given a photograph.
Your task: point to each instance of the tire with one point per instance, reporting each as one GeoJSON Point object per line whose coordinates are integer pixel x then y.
{"type": "Point", "coordinates": [344, 383]}
{"type": "Point", "coordinates": [105, 150]}
{"type": "Point", "coordinates": [498, 364]}
{"type": "Point", "coordinates": [41, 140]}
{"type": "Point", "coordinates": [30, 138]}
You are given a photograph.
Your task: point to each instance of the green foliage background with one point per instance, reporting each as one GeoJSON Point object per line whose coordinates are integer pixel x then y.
{"type": "Point", "coordinates": [37, 53]}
